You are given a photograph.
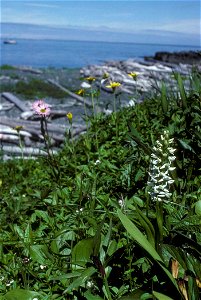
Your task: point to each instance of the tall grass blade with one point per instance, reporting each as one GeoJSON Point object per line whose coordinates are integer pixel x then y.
{"type": "Point", "coordinates": [182, 91]}
{"type": "Point", "coordinates": [164, 101]}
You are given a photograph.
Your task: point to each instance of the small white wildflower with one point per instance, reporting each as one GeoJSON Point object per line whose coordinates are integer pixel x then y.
{"type": "Point", "coordinates": [171, 158]}
{"type": "Point", "coordinates": [9, 282]}
{"type": "Point", "coordinates": [172, 168]}
{"type": "Point", "coordinates": [164, 166]}
{"type": "Point", "coordinates": [97, 162]}
{"type": "Point", "coordinates": [158, 144]}
{"type": "Point", "coordinates": [79, 210]}
{"type": "Point", "coordinates": [171, 150]}
{"type": "Point", "coordinates": [89, 284]}
{"type": "Point", "coordinates": [42, 267]}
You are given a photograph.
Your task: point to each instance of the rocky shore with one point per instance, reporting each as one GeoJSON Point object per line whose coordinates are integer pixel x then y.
{"type": "Point", "coordinates": [184, 57]}
{"type": "Point", "coordinates": [15, 109]}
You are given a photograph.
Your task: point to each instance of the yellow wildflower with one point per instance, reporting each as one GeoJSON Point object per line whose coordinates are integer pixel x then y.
{"type": "Point", "coordinates": [105, 75]}
{"type": "Point", "coordinates": [81, 92]}
{"type": "Point", "coordinates": [133, 75]}
{"type": "Point", "coordinates": [69, 115]}
{"type": "Point", "coordinates": [18, 128]}
{"type": "Point", "coordinates": [90, 79]}
{"type": "Point", "coordinates": [113, 85]}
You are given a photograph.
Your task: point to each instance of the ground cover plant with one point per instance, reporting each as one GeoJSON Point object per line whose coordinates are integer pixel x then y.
{"type": "Point", "coordinates": [116, 214]}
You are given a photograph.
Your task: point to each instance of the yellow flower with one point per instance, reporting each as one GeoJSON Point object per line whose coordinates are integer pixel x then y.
{"type": "Point", "coordinates": [90, 79]}
{"type": "Point", "coordinates": [81, 92]}
{"type": "Point", "coordinates": [133, 75]}
{"type": "Point", "coordinates": [105, 76]}
{"type": "Point", "coordinates": [113, 85]}
{"type": "Point", "coordinates": [69, 115]}
{"type": "Point", "coordinates": [18, 128]}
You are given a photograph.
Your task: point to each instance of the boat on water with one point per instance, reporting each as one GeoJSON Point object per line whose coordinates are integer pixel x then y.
{"type": "Point", "coordinates": [11, 42]}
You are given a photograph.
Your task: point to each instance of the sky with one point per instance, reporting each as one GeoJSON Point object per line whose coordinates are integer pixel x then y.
{"type": "Point", "coordinates": [176, 19]}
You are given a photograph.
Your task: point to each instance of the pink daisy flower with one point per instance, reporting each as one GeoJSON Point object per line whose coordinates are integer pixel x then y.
{"type": "Point", "coordinates": [41, 108]}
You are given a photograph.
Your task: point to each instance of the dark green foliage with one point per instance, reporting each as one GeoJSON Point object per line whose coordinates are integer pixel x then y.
{"type": "Point", "coordinates": [38, 88]}
{"type": "Point", "coordinates": [7, 67]}
{"type": "Point", "coordinates": [93, 232]}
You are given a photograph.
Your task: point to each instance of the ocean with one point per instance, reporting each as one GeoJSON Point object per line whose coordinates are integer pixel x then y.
{"type": "Point", "coordinates": [76, 54]}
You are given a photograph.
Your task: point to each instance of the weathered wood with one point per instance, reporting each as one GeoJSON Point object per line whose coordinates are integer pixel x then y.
{"type": "Point", "coordinates": [26, 151]}
{"type": "Point", "coordinates": [31, 125]}
{"type": "Point", "coordinates": [10, 138]}
{"type": "Point", "coordinates": [6, 106]}
{"type": "Point", "coordinates": [13, 99]}
{"type": "Point", "coordinates": [11, 131]}
{"type": "Point", "coordinates": [75, 96]}
{"type": "Point", "coordinates": [32, 129]}
{"type": "Point", "coordinates": [29, 69]}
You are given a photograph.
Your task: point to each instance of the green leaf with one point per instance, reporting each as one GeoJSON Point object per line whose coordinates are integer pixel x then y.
{"type": "Point", "coordinates": [182, 91]}
{"type": "Point", "coordinates": [134, 134]}
{"type": "Point", "coordinates": [144, 243]}
{"type": "Point", "coordinates": [138, 236]}
{"type": "Point", "coordinates": [112, 248]}
{"type": "Point", "coordinates": [160, 296]}
{"type": "Point", "coordinates": [81, 280]}
{"type": "Point", "coordinates": [186, 146]}
{"type": "Point", "coordinates": [19, 294]}
{"type": "Point", "coordinates": [148, 227]}
{"type": "Point", "coordinates": [28, 234]}
{"type": "Point", "coordinates": [164, 101]}
{"type": "Point", "coordinates": [136, 295]}
{"type": "Point", "coordinates": [82, 251]}
{"type": "Point", "coordinates": [38, 253]}
{"type": "Point", "coordinates": [89, 296]}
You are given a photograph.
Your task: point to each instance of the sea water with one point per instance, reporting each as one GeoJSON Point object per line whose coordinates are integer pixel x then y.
{"type": "Point", "coordinates": [76, 54]}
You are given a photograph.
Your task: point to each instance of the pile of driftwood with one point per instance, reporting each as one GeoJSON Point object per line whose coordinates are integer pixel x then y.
{"type": "Point", "coordinates": [29, 134]}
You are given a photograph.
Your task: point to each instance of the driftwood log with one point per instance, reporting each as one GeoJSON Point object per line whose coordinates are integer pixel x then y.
{"type": "Point", "coordinates": [13, 99]}
{"type": "Point", "coordinates": [30, 133]}
{"type": "Point", "coordinates": [26, 151]}
{"type": "Point", "coordinates": [80, 99]}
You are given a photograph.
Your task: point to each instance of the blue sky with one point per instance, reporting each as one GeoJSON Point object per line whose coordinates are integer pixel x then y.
{"type": "Point", "coordinates": [178, 17]}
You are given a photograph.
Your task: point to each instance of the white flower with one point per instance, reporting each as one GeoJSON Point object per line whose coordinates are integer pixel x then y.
{"type": "Point", "coordinates": [164, 166]}
{"type": "Point", "coordinates": [89, 284]}
{"type": "Point", "coordinates": [42, 267]}
{"type": "Point", "coordinates": [9, 282]}
{"type": "Point", "coordinates": [160, 166]}
{"type": "Point", "coordinates": [171, 150]}
{"type": "Point", "coordinates": [171, 158]}
{"type": "Point", "coordinates": [97, 162]}
{"type": "Point", "coordinates": [79, 210]}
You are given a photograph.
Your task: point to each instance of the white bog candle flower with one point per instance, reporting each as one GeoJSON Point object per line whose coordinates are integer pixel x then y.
{"type": "Point", "coordinates": [160, 168]}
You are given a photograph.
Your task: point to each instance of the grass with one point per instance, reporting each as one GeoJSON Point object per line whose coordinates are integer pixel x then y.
{"type": "Point", "coordinates": [91, 229]}
{"type": "Point", "coordinates": [35, 88]}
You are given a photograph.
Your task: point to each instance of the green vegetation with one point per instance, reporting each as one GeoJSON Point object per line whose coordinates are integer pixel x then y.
{"type": "Point", "coordinates": [84, 224]}
{"type": "Point", "coordinates": [35, 88]}
{"type": "Point", "coordinates": [6, 67]}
